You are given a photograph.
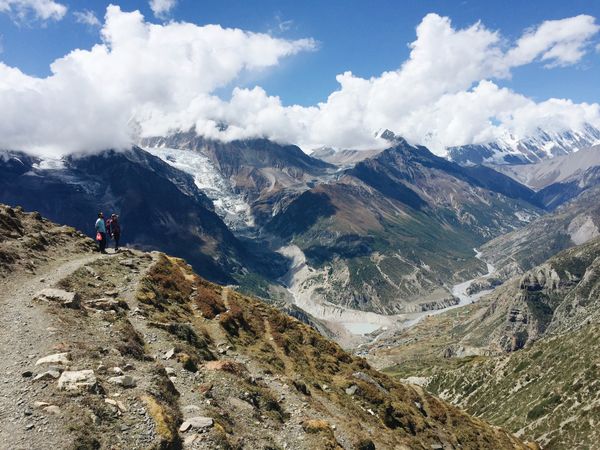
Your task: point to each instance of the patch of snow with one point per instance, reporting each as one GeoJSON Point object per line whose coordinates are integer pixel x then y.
{"type": "Point", "coordinates": [49, 164]}
{"type": "Point", "coordinates": [229, 205]}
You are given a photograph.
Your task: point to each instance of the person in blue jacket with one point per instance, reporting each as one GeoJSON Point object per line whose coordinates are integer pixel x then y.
{"type": "Point", "coordinates": [101, 233]}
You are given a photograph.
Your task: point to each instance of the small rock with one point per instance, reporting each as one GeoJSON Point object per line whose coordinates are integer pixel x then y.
{"type": "Point", "coordinates": [66, 299]}
{"type": "Point", "coordinates": [128, 263]}
{"type": "Point", "coordinates": [53, 409]}
{"type": "Point", "coordinates": [123, 380]}
{"type": "Point", "coordinates": [95, 419]}
{"type": "Point", "coordinates": [27, 412]}
{"type": "Point", "coordinates": [119, 405]}
{"type": "Point", "coordinates": [170, 370]}
{"type": "Point", "coordinates": [77, 380]}
{"type": "Point", "coordinates": [200, 422]}
{"type": "Point", "coordinates": [112, 293]}
{"type": "Point", "coordinates": [128, 367]}
{"type": "Point", "coordinates": [117, 370]}
{"type": "Point", "coordinates": [170, 353]}
{"type": "Point", "coordinates": [40, 404]}
{"type": "Point", "coordinates": [185, 426]}
{"type": "Point", "coordinates": [57, 358]}
{"type": "Point", "coordinates": [27, 374]}
{"type": "Point", "coordinates": [101, 368]}
{"type": "Point", "coordinates": [352, 389]}
{"type": "Point", "coordinates": [29, 426]}
{"type": "Point", "coordinates": [48, 375]}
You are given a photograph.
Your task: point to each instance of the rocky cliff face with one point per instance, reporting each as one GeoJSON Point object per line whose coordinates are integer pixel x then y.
{"type": "Point", "coordinates": [134, 350]}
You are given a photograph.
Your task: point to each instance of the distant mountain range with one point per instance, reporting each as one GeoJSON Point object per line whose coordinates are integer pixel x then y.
{"type": "Point", "coordinates": [541, 145]}
{"type": "Point", "coordinates": [386, 231]}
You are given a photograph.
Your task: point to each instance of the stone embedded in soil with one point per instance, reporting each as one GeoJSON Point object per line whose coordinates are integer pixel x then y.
{"type": "Point", "coordinates": [65, 298]}
{"type": "Point", "coordinates": [106, 304]}
{"type": "Point", "coordinates": [198, 422]}
{"type": "Point", "coordinates": [352, 389]}
{"type": "Point", "coordinates": [53, 409]}
{"type": "Point", "coordinates": [57, 358]}
{"type": "Point", "coordinates": [123, 380]}
{"type": "Point", "coordinates": [77, 380]}
{"type": "Point", "coordinates": [48, 375]}
{"type": "Point", "coordinates": [170, 353]}
{"type": "Point", "coordinates": [117, 404]}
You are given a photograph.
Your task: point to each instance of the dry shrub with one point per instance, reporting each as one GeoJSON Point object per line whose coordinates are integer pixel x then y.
{"type": "Point", "coordinates": [132, 342]}
{"type": "Point", "coordinates": [208, 300]}
{"type": "Point", "coordinates": [226, 365]}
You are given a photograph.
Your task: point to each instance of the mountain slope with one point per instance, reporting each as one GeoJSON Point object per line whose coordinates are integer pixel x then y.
{"type": "Point", "coordinates": [548, 320]}
{"type": "Point", "coordinates": [573, 223]}
{"type": "Point", "coordinates": [263, 172]}
{"type": "Point", "coordinates": [149, 355]}
{"type": "Point", "coordinates": [556, 170]}
{"type": "Point", "coordinates": [343, 157]}
{"type": "Point", "coordinates": [391, 234]}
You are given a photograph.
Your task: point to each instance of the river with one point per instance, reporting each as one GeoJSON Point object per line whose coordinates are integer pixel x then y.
{"type": "Point", "coordinates": [356, 322]}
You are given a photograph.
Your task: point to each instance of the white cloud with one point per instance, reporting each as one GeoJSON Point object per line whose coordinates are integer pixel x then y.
{"type": "Point", "coordinates": [87, 17]}
{"type": "Point", "coordinates": [94, 98]}
{"type": "Point", "coordinates": [161, 8]}
{"type": "Point", "coordinates": [556, 42]}
{"type": "Point", "coordinates": [152, 79]}
{"type": "Point", "coordinates": [26, 10]}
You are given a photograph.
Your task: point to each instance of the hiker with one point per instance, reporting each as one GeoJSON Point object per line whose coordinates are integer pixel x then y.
{"type": "Point", "coordinates": [101, 233]}
{"type": "Point", "coordinates": [114, 230]}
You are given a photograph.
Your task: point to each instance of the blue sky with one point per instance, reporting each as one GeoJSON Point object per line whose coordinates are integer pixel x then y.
{"type": "Point", "coordinates": [365, 37]}
{"type": "Point", "coordinates": [312, 73]}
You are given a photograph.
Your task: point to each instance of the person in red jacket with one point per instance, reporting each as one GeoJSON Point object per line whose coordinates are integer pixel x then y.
{"type": "Point", "coordinates": [114, 230]}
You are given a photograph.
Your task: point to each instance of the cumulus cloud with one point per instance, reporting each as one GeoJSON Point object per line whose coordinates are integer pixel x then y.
{"type": "Point", "coordinates": [161, 8]}
{"type": "Point", "coordinates": [95, 98]}
{"type": "Point", "coordinates": [26, 10]}
{"type": "Point", "coordinates": [87, 17]}
{"type": "Point", "coordinates": [146, 79]}
{"type": "Point", "coordinates": [442, 95]}
{"type": "Point", "coordinates": [556, 42]}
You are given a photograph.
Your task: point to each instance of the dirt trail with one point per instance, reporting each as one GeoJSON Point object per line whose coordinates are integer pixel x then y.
{"type": "Point", "coordinates": [27, 334]}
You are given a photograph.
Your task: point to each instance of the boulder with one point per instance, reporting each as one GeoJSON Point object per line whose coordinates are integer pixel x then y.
{"type": "Point", "coordinates": [48, 375]}
{"type": "Point", "coordinates": [64, 298]}
{"type": "Point", "coordinates": [198, 422]}
{"type": "Point", "coordinates": [57, 358]}
{"type": "Point", "coordinates": [77, 380]}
